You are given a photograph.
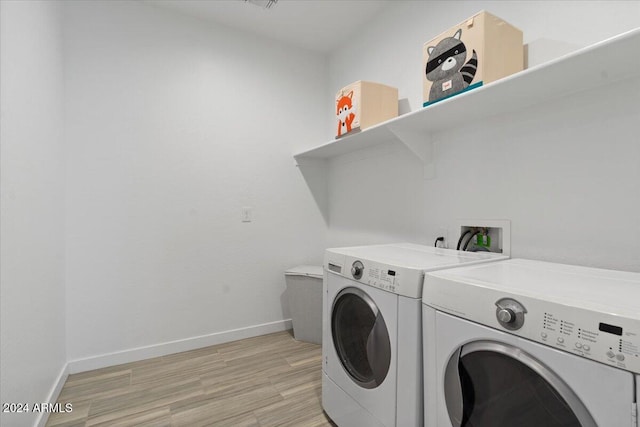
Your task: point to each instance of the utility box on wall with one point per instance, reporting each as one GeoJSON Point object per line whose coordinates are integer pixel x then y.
{"type": "Point", "coordinates": [364, 104]}
{"type": "Point", "coordinates": [482, 49]}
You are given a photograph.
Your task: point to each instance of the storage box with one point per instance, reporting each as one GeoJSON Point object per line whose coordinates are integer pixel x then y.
{"type": "Point", "coordinates": [304, 286]}
{"type": "Point", "coordinates": [364, 104]}
{"type": "Point", "coordinates": [478, 51]}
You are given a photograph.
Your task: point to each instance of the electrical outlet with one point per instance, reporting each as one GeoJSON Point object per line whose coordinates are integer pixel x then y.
{"type": "Point", "coordinates": [486, 235]}
{"type": "Point", "coordinates": [247, 214]}
{"type": "Point", "coordinates": [443, 232]}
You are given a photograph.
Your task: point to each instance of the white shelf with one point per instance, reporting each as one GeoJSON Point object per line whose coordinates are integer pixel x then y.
{"type": "Point", "coordinates": [596, 65]}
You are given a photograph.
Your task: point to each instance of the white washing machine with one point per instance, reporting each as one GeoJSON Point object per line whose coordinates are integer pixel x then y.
{"type": "Point", "coordinates": [529, 343]}
{"type": "Point", "coordinates": [372, 343]}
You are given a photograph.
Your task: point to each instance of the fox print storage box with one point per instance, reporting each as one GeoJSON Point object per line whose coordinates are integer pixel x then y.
{"type": "Point", "coordinates": [482, 49]}
{"type": "Point", "coordinates": [364, 104]}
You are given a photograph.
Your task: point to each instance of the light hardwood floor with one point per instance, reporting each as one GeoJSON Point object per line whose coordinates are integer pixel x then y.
{"type": "Point", "coordinates": [271, 380]}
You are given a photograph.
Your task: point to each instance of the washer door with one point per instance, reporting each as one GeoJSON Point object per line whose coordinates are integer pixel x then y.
{"type": "Point", "coordinates": [488, 383]}
{"type": "Point", "coordinates": [360, 337]}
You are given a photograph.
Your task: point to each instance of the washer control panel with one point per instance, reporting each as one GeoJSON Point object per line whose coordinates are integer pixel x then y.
{"type": "Point", "coordinates": [377, 275]}
{"type": "Point", "coordinates": [398, 280]}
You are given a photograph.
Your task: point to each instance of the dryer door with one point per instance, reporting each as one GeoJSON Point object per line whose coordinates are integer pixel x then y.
{"type": "Point", "coordinates": [490, 383]}
{"type": "Point", "coordinates": [360, 337]}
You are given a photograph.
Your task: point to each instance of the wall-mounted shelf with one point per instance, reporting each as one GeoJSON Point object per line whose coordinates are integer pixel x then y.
{"type": "Point", "coordinates": [605, 62]}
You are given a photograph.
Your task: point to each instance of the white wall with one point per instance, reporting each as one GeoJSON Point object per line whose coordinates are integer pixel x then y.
{"type": "Point", "coordinates": [173, 126]}
{"type": "Point", "coordinates": [32, 305]}
{"type": "Point", "coordinates": [566, 174]}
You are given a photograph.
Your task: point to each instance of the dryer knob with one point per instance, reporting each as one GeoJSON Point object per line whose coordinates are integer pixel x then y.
{"type": "Point", "coordinates": [510, 313]}
{"type": "Point", "coordinates": [356, 270]}
{"type": "Point", "coordinates": [506, 316]}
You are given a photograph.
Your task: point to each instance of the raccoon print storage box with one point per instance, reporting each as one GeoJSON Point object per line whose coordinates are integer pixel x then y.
{"type": "Point", "coordinates": [364, 104]}
{"type": "Point", "coordinates": [482, 49]}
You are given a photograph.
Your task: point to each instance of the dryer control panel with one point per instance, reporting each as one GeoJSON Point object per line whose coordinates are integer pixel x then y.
{"type": "Point", "coordinates": [606, 338]}
{"type": "Point", "coordinates": [601, 337]}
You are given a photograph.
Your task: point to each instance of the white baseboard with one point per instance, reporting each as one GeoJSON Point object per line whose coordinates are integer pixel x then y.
{"type": "Point", "coordinates": [156, 350]}
{"type": "Point", "coordinates": [41, 421]}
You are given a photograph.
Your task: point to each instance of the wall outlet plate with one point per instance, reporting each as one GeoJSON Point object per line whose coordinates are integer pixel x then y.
{"type": "Point", "coordinates": [247, 214]}
{"type": "Point", "coordinates": [498, 234]}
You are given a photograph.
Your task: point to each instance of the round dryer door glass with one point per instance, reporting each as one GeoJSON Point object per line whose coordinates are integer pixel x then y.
{"type": "Point", "coordinates": [360, 337]}
{"type": "Point", "coordinates": [490, 384]}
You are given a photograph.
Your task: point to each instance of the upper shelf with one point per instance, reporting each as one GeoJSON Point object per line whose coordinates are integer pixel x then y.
{"type": "Point", "coordinates": [602, 63]}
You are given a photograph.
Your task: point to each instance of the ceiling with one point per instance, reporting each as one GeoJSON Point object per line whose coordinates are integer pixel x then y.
{"type": "Point", "coordinates": [319, 25]}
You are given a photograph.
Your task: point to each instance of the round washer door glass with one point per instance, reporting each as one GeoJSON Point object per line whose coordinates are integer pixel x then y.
{"type": "Point", "coordinates": [360, 337]}
{"type": "Point", "coordinates": [490, 384]}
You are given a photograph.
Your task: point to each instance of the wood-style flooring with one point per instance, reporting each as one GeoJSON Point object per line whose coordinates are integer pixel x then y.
{"type": "Point", "coordinates": [270, 380]}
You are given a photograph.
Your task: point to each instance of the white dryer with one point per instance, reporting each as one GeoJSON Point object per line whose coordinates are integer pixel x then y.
{"type": "Point", "coordinates": [529, 343]}
{"type": "Point", "coordinates": [372, 346]}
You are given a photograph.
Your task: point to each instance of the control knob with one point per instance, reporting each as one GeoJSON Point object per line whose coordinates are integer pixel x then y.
{"type": "Point", "coordinates": [356, 269]}
{"type": "Point", "coordinates": [506, 315]}
{"type": "Point", "coordinates": [510, 313]}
